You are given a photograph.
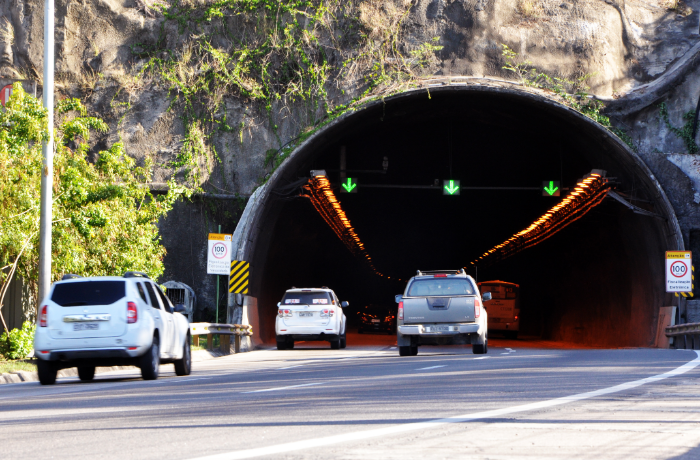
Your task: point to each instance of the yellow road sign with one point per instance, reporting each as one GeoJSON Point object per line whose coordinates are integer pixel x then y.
{"type": "Point", "coordinates": [238, 279]}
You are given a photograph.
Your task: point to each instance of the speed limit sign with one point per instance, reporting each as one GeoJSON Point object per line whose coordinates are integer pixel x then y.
{"type": "Point", "coordinates": [679, 271]}
{"type": "Point", "coordinates": [219, 254]}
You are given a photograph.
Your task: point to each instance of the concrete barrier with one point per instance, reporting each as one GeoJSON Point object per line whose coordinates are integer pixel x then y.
{"type": "Point", "coordinates": [224, 331]}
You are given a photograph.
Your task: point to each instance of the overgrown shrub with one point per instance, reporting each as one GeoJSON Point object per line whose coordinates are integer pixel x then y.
{"type": "Point", "coordinates": [20, 342]}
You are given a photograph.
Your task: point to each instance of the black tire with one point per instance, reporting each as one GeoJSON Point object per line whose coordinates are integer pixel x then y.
{"type": "Point", "coordinates": [335, 344]}
{"type": "Point", "coordinates": [184, 366]}
{"type": "Point", "coordinates": [513, 335]}
{"type": "Point", "coordinates": [86, 373]}
{"type": "Point", "coordinates": [290, 344]}
{"type": "Point", "coordinates": [414, 350]}
{"type": "Point", "coordinates": [149, 362]}
{"type": "Point", "coordinates": [47, 372]}
{"type": "Point", "coordinates": [344, 340]}
{"type": "Point", "coordinates": [405, 351]}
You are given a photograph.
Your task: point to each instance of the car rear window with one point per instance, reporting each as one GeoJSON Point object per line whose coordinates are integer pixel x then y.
{"type": "Point", "coordinates": [441, 286]}
{"type": "Point", "coordinates": [77, 294]}
{"type": "Point", "coordinates": [307, 298]}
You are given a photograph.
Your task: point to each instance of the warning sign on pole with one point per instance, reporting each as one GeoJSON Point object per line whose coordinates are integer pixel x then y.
{"type": "Point", "coordinates": [238, 278]}
{"type": "Point", "coordinates": [219, 254]}
{"type": "Point", "coordinates": [679, 271]}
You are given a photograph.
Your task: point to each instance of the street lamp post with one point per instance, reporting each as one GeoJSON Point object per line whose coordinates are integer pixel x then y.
{"type": "Point", "coordinates": [47, 150]}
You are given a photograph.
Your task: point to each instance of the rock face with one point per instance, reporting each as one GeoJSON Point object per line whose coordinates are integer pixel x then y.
{"type": "Point", "coordinates": [171, 80]}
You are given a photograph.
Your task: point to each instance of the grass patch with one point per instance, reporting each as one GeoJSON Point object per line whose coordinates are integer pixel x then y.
{"type": "Point", "coordinates": [7, 367]}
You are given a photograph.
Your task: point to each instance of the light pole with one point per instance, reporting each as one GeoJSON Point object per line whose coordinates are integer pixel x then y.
{"type": "Point", "coordinates": [47, 151]}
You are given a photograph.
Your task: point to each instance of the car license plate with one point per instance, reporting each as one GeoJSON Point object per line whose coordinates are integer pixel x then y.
{"type": "Point", "coordinates": [376, 321]}
{"type": "Point", "coordinates": [305, 313]}
{"type": "Point", "coordinates": [85, 326]}
{"type": "Point", "coordinates": [438, 328]}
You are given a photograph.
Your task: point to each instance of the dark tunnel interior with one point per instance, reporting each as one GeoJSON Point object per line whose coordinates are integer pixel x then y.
{"type": "Point", "coordinates": [598, 282]}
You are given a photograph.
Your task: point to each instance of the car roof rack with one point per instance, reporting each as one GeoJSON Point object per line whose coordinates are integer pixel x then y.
{"type": "Point", "coordinates": [447, 272]}
{"type": "Point", "coordinates": [136, 275]}
{"type": "Point", "coordinates": [70, 276]}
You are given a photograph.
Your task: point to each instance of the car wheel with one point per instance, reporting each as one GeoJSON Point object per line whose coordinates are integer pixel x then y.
{"type": "Point", "coordinates": [414, 350]}
{"type": "Point", "coordinates": [184, 366]}
{"type": "Point", "coordinates": [86, 373]}
{"type": "Point", "coordinates": [290, 344]}
{"type": "Point", "coordinates": [47, 371]}
{"type": "Point", "coordinates": [335, 344]}
{"type": "Point", "coordinates": [511, 335]}
{"type": "Point", "coordinates": [404, 351]}
{"type": "Point", "coordinates": [344, 340]}
{"type": "Point", "coordinates": [149, 362]}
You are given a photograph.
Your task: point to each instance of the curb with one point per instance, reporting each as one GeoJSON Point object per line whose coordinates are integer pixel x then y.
{"type": "Point", "coordinates": [24, 376]}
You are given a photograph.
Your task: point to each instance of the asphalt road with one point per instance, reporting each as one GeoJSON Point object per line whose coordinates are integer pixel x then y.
{"type": "Point", "coordinates": [367, 402]}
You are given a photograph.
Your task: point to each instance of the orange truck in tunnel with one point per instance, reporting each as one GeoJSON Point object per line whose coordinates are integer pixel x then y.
{"type": "Point", "coordinates": [503, 308]}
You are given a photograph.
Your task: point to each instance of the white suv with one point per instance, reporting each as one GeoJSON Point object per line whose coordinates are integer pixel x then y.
{"type": "Point", "coordinates": [310, 314]}
{"type": "Point", "coordinates": [110, 321]}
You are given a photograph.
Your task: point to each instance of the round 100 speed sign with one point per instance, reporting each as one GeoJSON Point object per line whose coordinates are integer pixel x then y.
{"type": "Point", "coordinates": [679, 271]}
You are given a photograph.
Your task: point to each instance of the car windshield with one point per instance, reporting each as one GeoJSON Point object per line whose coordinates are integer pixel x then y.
{"type": "Point", "coordinates": [441, 286]}
{"type": "Point", "coordinates": [77, 294]}
{"type": "Point", "coordinates": [307, 298]}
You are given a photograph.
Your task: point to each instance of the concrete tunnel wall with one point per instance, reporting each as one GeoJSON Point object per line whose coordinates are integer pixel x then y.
{"type": "Point", "coordinates": [625, 316]}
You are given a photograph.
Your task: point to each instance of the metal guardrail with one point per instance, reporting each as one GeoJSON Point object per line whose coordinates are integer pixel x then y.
{"type": "Point", "coordinates": [224, 331]}
{"type": "Point", "coordinates": [221, 329]}
{"type": "Point", "coordinates": [686, 336]}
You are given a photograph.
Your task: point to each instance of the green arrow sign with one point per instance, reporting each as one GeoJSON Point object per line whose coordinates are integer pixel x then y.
{"type": "Point", "coordinates": [450, 187]}
{"type": "Point", "coordinates": [350, 186]}
{"type": "Point", "coordinates": [550, 188]}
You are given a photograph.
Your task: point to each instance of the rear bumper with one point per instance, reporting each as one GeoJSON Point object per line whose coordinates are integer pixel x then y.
{"type": "Point", "coordinates": [91, 354]}
{"type": "Point", "coordinates": [310, 337]}
{"type": "Point", "coordinates": [455, 329]}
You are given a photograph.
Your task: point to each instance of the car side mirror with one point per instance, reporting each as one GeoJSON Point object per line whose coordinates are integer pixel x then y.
{"type": "Point", "coordinates": [279, 304]}
{"type": "Point", "coordinates": [398, 298]}
{"type": "Point", "coordinates": [180, 308]}
{"type": "Point", "coordinates": [344, 304]}
{"type": "Point", "coordinates": [486, 296]}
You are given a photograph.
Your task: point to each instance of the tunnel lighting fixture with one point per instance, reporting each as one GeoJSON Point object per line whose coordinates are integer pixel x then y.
{"type": "Point", "coordinates": [319, 191]}
{"type": "Point", "coordinates": [588, 193]}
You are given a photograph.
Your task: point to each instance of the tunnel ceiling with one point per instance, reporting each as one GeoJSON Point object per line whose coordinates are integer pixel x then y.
{"type": "Point", "coordinates": [484, 139]}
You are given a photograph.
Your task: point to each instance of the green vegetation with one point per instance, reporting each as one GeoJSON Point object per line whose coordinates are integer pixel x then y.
{"type": "Point", "coordinates": [104, 217]}
{"type": "Point", "coordinates": [18, 343]}
{"type": "Point", "coordinates": [281, 58]}
{"type": "Point", "coordinates": [17, 365]}
{"type": "Point", "coordinates": [572, 93]}
{"type": "Point", "coordinates": [686, 132]}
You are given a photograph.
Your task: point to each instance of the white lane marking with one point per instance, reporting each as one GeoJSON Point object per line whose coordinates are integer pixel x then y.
{"type": "Point", "coordinates": [508, 349]}
{"type": "Point", "coordinates": [284, 388]}
{"type": "Point", "coordinates": [483, 357]}
{"type": "Point", "coordinates": [407, 427]}
{"type": "Point", "coordinates": [291, 367]}
{"type": "Point", "coordinates": [431, 367]}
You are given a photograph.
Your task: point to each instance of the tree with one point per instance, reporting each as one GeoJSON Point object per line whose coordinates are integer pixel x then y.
{"type": "Point", "coordinates": [104, 216]}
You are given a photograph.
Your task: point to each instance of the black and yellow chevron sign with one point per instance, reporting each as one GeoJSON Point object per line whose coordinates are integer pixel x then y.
{"type": "Point", "coordinates": [238, 279]}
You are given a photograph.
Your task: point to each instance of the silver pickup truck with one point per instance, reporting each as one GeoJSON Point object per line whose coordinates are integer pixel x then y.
{"type": "Point", "coordinates": [441, 307]}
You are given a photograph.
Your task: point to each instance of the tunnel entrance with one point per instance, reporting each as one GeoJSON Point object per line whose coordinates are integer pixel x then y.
{"type": "Point", "coordinates": [598, 282]}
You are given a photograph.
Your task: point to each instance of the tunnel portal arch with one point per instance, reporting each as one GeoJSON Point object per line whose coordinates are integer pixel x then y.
{"type": "Point", "coordinates": [504, 108]}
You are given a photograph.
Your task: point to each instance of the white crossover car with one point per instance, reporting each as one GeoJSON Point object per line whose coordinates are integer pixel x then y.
{"type": "Point", "coordinates": [310, 314]}
{"type": "Point", "coordinates": [110, 321]}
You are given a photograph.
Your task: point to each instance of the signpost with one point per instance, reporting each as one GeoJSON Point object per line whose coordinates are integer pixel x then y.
{"type": "Point", "coordinates": [218, 259]}
{"type": "Point", "coordinates": [679, 272]}
{"type": "Point", "coordinates": [5, 94]}
{"type": "Point", "coordinates": [550, 188]}
{"type": "Point", "coordinates": [450, 187]}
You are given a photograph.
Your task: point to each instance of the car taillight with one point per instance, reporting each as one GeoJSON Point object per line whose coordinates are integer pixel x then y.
{"type": "Point", "coordinates": [288, 313]}
{"type": "Point", "coordinates": [477, 308]}
{"type": "Point", "coordinates": [331, 312]}
{"type": "Point", "coordinates": [280, 313]}
{"type": "Point", "coordinates": [326, 312]}
{"type": "Point", "coordinates": [516, 317]}
{"type": "Point", "coordinates": [131, 314]}
{"type": "Point", "coordinates": [401, 310]}
{"type": "Point", "coordinates": [43, 317]}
